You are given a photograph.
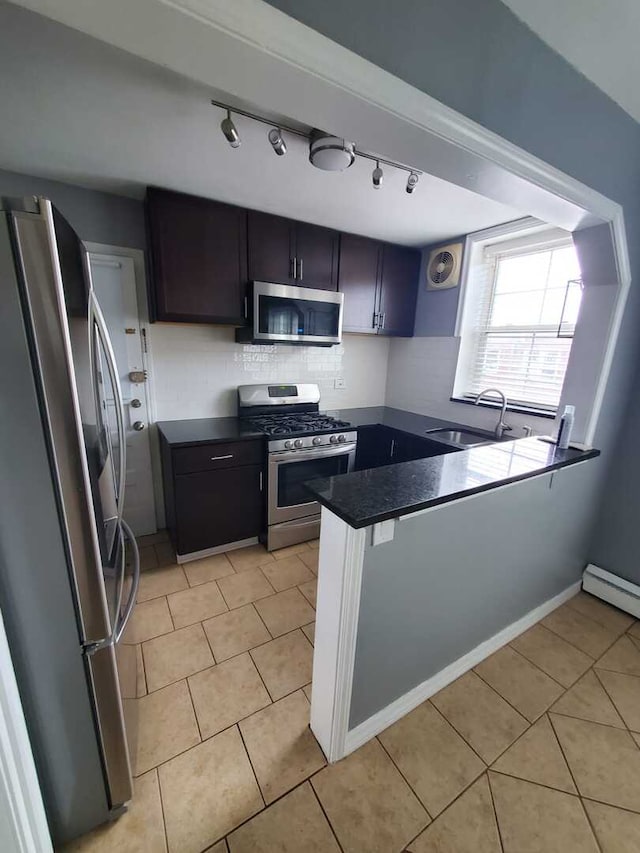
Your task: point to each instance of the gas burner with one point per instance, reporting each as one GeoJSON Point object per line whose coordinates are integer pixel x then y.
{"type": "Point", "coordinates": [296, 423]}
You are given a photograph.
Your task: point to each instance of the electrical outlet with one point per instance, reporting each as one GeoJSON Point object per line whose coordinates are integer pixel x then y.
{"type": "Point", "coordinates": [340, 383]}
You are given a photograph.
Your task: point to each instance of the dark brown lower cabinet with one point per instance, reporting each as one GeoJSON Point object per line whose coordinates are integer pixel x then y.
{"type": "Point", "coordinates": [216, 507]}
{"type": "Point", "coordinates": [219, 504]}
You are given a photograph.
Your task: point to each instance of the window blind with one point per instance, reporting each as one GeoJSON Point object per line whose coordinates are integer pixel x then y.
{"type": "Point", "coordinates": [525, 316]}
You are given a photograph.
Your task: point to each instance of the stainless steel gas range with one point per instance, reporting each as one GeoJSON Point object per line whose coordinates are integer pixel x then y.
{"type": "Point", "coordinates": [302, 444]}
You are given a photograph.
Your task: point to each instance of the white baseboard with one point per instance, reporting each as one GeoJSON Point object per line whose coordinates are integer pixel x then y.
{"type": "Point", "coordinates": [219, 549]}
{"type": "Point", "coordinates": [612, 589]}
{"type": "Point", "coordinates": [400, 707]}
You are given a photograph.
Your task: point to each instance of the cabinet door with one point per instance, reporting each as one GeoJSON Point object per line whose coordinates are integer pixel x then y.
{"type": "Point", "coordinates": [399, 291]}
{"type": "Point", "coordinates": [216, 507]}
{"type": "Point", "coordinates": [199, 251]}
{"type": "Point", "coordinates": [316, 257]}
{"type": "Point", "coordinates": [358, 280]}
{"type": "Point", "coordinates": [271, 249]}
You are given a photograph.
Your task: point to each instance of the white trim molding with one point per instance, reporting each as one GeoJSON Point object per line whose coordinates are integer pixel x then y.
{"type": "Point", "coordinates": [23, 823]}
{"type": "Point", "coordinates": [337, 609]}
{"type": "Point", "coordinates": [368, 729]}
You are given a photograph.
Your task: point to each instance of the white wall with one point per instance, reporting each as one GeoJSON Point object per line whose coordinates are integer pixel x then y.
{"type": "Point", "coordinates": [196, 370]}
{"type": "Point", "coordinates": [420, 379]}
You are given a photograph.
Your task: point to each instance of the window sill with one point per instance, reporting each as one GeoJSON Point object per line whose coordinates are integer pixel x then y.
{"type": "Point", "coordinates": [523, 410]}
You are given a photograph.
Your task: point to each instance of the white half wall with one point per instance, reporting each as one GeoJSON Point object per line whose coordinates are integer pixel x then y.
{"type": "Point", "coordinates": [196, 369]}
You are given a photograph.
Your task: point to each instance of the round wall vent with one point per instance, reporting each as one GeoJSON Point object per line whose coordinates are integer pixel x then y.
{"type": "Point", "coordinates": [331, 153]}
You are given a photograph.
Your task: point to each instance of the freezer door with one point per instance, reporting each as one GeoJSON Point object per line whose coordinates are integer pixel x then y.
{"type": "Point", "coordinates": [103, 675]}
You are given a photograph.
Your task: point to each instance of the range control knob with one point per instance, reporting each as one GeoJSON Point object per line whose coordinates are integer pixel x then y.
{"type": "Point", "coordinates": [297, 442]}
{"type": "Point", "coordinates": [288, 444]}
{"type": "Point", "coordinates": [317, 440]}
{"type": "Point", "coordinates": [333, 439]}
{"type": "Point", "coordinates": [342, 439]}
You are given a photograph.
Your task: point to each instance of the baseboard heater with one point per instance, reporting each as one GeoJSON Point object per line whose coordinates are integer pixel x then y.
{"type": "Point", "coordinates": [612, 589]}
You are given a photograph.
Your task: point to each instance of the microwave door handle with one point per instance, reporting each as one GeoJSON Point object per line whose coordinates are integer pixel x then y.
{"type": "Point", "coordinates": [123, 620]}
{"type": "Point", "coordinates": [103, 334]}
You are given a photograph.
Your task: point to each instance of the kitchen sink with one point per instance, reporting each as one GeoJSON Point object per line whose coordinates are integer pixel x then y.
{"type": "Point", "coordinates": [460, 437]}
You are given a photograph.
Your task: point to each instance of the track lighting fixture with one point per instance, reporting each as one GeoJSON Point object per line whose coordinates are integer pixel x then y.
{"type": "Point", "coordinates": [277, 142]}
{"type": "Point", "coordinates": [230, 132]}
{"type": "Point", "coordinates": [327, 152]}
{"type": "Point", "coordinates": [412, 182]}
{"type": "Point", "coordinates": [376, 176]}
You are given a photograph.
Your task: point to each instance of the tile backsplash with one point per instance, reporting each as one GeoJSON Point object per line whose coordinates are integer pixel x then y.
{"type": "Point", "coordinates": [196, 369]}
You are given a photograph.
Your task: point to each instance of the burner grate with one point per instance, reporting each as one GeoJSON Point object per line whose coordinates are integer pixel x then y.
{"type": "Point", "coordinates": [298, 423]}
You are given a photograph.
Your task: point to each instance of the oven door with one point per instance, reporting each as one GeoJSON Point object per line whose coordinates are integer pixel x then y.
{"type": "Point", "coordinates": [296, 314]}
{"type": "Point", "coordinates": [289, 470]}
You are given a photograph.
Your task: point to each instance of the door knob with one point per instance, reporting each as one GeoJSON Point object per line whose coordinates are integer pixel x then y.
{"type": "Point", "coordinates": [138, 426]}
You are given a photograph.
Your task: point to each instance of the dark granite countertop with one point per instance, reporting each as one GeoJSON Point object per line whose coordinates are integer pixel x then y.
{"type": "Point", "coordinates": [362, 498]}
{"type": "Point", "coordinates": [206, 431]}
{"type": "Point", "coordinates": [213, 430]}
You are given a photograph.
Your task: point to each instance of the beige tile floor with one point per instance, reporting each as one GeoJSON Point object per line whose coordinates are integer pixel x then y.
{"type": "Point", "coordinates": [537, 750]}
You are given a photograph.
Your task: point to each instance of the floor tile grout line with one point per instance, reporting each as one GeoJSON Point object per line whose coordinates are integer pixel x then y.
{"type": "Point", "coordinates": [195, 712]}
{"type": "Point", "coordinates": [611, 699]}
{"type": "Point", "coordinates": [411, 788]}
{"type": "Point", "coordinates": [564, 755]}
{"type": "Point", "coordinates": [251, 603]}
{"type": "Point", "coordinates": [575, 646]}
{"type": "Point", "coordinates": [164, 818]}
{"type": "Point", "coordinates": [566, 687]}
{"type": "Point", "coordinates": [532, 782]}
{"type": "Point", "coordinates": [495, 811]}
{"type": "Point", "coordinates": [524, 657]}
{"type": "Point", "coordinates": [253, 770]}
{"type": "Point", "coordinates": [609, 805]}
{"type": "Point", "coordinates": [591, 826]}
{"type": "Point", "coordinates": [322, 809]}
{"type": "Point", "coordinates": [510, 703]}
{"type": "Point", "coordinates": [449, 723]}
{"type": "Point", "coordinates": [218, 663]}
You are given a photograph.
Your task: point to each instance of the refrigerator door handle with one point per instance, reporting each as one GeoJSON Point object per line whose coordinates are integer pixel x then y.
{"type": "Point", "coordinates": [97, 319]}
{"type": "Point", "coordinates": [133, 593]}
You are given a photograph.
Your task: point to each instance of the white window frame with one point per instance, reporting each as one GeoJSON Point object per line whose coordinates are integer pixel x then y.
{"type": "Point", "coordinates": [525, 232]}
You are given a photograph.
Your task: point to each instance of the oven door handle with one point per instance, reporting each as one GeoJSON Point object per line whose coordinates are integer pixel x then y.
{"type": "Point", "coordinates": [278, 456]}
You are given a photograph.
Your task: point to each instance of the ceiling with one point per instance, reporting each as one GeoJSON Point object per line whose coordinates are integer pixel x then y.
{"type": "Point", "coordinates": [598, 38]}
{"type": "Point", "coordinates": [87, 113]}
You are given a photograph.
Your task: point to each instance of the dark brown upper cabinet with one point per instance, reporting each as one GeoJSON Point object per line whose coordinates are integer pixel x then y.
{"type": "Point", "coordinates": [358, 279]}
{"type": "Point", "coordinates": [271, 244]}
{"type": "Point", "coordinates": [199, 258]}
{"type": "Point", "coordinates": [380, 286]}
{"type": "Point", "coordinates": [288, 252]}
{"type": "Point", "coordinates": [398, 290]}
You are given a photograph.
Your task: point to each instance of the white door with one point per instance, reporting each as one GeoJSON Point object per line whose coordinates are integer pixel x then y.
{"type": "Point", "coordinates": [115, 285]}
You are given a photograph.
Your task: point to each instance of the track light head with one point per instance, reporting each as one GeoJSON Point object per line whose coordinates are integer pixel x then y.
{"type": "Point", "coordinates": [376, 176]}
{"type": "Point", "coordinates": [230, 132]}
{"type": "Point", "coordinates": [277, 142]}
{"type": "Point", "coordinates": [412, 182]}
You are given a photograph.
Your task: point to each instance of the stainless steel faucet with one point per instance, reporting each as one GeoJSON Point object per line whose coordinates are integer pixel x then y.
{"type": "Point", "coordinates": [501, 426]}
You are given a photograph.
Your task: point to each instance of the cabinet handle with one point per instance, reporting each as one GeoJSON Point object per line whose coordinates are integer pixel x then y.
{"type": "Point", "coordinates": [295, 268]}
{"type": "Point", "coordinates": [260, 480]}
{"type": "Point", "coordinates": [375, 320]}
{"type": "Point", "coordinates": [301, 268]}
{"type": "Point", "coordinates": [246, 308]}
{"type": "Point", "coordinates": [216, 458]}
{"type": "Point", "coordinates": [393, 447]}
{"type": "Point", "coordinates": [383, 317]}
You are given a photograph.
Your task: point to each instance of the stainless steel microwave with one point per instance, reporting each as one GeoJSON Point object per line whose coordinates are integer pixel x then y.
{"type": "Point", "coordinates": [283, 313]}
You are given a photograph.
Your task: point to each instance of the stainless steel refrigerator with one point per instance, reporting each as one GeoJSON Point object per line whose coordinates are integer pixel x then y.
{"type": "Point", "coordinates": [67, 586]}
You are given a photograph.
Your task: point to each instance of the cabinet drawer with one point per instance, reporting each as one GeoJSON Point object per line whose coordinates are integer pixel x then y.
{"type": "Point", "coordinates": [205, 457]}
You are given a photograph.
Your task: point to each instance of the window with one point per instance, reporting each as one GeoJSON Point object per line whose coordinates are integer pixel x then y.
{"type": "Point", "coordinates": [521, 307]}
